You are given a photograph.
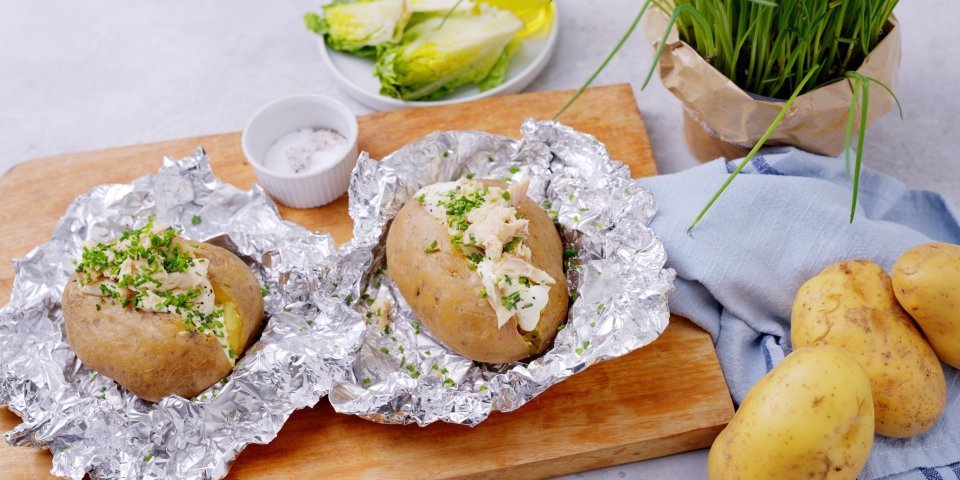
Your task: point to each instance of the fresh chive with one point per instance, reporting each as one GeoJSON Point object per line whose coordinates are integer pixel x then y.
{"type": "Point", "coordinates": [510, 301]}
{"type": "Point", "coordinates": [449, 12]}
{"type": "Point", "coordinates": [606, 60]}
{"type": "Point", "coordinates": [778, 49]}
{"type": "Point", "coordinates": [861, 134]}
{"type": "Point", "coordinates": [512, 244]}
{"type": "Point", "coordinates": [756, 148]}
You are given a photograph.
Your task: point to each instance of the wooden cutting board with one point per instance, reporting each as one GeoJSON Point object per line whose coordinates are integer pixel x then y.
{"type": "Point", "coordinates": [665, 398]}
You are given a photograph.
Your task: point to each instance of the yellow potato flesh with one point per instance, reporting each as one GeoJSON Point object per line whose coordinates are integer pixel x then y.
{"type": "Point", "coordinates": [234, 325]}
{"type": "Point", "coordinates": [851, 305]}
{"type": "Point", "coordinates": [232, 320]}
{"type": "Point", "coordinates": [810, 417]}
{"type": "Point", "coordinates": [926, 280]}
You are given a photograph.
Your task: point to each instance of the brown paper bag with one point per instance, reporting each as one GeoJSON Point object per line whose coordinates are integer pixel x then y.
{"type": "Point", "coordinates": [721, 119]}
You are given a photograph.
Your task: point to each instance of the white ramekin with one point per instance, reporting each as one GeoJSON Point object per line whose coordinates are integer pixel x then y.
{"type": "Point", "coordinates": [282, 116]}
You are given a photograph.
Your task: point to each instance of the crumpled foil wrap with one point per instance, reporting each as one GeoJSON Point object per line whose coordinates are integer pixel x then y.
{"type": "Point", "coordinates": [617, 274]}
{"type": "Point", "coordinates": [89, 423]}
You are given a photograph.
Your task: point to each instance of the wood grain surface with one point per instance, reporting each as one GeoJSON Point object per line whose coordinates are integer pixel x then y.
{"type": "Point", "coordinates": [666, 398]}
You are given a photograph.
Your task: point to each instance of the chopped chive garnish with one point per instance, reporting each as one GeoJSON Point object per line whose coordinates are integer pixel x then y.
{"type": "Point", "coordinates": [512, 244]}
{"type": "Point", "coordinates": [510, 301]}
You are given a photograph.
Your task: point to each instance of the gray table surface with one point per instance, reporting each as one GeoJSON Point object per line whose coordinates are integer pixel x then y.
{"type": "Point", "coordinates": [82, 74]}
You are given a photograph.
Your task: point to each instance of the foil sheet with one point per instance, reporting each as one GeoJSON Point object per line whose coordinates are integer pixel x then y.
{"type": "Point", "coordinates": [93, 426]}
{"type": "Point", "coordinates": [617, 274]}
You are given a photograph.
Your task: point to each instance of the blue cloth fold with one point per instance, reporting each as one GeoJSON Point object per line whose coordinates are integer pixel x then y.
{"type": "Point", "coordinates": [784, 219]}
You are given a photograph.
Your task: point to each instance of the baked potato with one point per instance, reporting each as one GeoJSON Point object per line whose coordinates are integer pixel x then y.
{"type": "Point", "coordinates": [851, 305]}
{"type": "Point", "coordinates": [926, 280]}
{"type": "Point", "coordinates": [161, 315]}
{"type": "Point", "coordinates": [481, 265]}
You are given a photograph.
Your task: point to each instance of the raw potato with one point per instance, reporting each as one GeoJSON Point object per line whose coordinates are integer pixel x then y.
{"type": "Point", "coordinates": [809, 417]}
{"type": "Point", "coordinates": [926, 281]}
{"type": "Point", "coordinates": [445, 294]}
{"type": "Point", "coordinates": [152, 354]}
{"type": "Point", "coordinates": [851, 305]}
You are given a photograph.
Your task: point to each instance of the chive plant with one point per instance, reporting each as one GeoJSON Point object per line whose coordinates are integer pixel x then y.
{"type": "Point", "coordinates": [767, 48]}
{"type": "Point", "coordinates": [780, 50]}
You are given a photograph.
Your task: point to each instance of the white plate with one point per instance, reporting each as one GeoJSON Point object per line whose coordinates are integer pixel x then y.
{"type": "Point", "coordinates": [355, 74]}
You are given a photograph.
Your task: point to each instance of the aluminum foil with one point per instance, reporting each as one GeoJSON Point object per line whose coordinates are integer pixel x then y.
{"type": "Point", "coordinates": [89, 423]}
{"type": "Point", "coordinates": [616, 274]}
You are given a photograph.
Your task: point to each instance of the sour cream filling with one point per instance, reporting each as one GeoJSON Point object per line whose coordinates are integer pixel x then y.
{"type": "Point", "coordinates": [483, 221]}
{"type": "Point", "coordinates": [141, 280]}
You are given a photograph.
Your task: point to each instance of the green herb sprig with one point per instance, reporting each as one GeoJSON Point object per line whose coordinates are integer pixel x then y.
{"type": "Point", "coordinates": [779, 50]}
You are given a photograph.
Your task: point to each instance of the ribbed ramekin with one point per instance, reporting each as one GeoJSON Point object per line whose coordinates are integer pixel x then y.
{"type": "Point", "coordinates": [282, 116]}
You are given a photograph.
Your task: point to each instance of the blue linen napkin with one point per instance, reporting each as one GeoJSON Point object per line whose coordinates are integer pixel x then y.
{"type": "Point", "coordinates": [783, 220]}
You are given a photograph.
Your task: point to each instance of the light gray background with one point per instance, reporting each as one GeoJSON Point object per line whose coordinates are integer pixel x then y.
{"type": "Point", "coordinates": [83, 74]}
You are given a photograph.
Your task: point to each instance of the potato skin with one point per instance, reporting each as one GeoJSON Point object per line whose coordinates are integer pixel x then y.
{"type": "Point", "coordinates": [809, 417]}
{"type": "Point", "coordinates": [445, 293]}
{"type": "Point", "coordinates": [232, 281]}
{"type": "Point", "coordinates": [926, 281]}
{"type": "Point", "coordinates": [150, 353]}
{"type": "Point", "coordinates": [851, 305]}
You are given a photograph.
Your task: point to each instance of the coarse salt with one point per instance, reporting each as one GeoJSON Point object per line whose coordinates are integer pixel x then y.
{"type": "Point", "coordinates": [305, 150]}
